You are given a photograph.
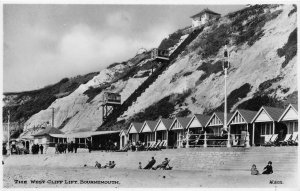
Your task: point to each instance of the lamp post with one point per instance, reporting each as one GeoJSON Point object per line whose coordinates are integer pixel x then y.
{"type": "Point", "coordinates": [225, 67]}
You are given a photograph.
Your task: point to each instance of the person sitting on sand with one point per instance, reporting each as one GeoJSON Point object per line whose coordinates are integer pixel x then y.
{"type": "Point", "coordinates": [140, 165]}
{"type": "Point", "coordinates": [112, 165]}
{"type": "Point", "coordinates": [98, 165]}
{"type": "Point", "coordinates": [107, 165]}
{"type": "Point", "coordinates": [150, 164]}
{"type": "Point", "coordinates": [254, 170]}
{"type": "Point", "coordinates": [268, 169]}
{"type": "Point", "coordinates": [163, 165]}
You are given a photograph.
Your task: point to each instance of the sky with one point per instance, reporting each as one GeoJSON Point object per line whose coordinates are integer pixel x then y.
{"type": "Point", "coordinates": [45, 43]}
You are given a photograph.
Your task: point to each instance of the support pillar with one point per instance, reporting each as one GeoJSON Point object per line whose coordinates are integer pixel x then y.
{"type": "Point", "coordinates": [273, 127]}
{"type": "Point", "coordinates": [167, 138]}
{"type": "Point", "coordinates": [187, 139]}
{"type": "Point", "coordinates": [247, 137]}
{"type": "Point", "coordinates": [205, 140]}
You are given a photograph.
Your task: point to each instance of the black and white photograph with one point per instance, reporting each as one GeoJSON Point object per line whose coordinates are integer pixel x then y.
{"type": "Point", "coordinates": [141, 94]}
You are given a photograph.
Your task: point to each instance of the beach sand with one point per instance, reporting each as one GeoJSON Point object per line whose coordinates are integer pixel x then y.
{"type": "Point", "coordinates": [138, 178]}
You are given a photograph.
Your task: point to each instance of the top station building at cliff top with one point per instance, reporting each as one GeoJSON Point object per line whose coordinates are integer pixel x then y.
{"type": "Point", "coordinates": [203, 17]}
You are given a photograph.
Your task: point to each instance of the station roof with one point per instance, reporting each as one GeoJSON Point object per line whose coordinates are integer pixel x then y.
{"type": "Point", "coordinates": [205, 11]}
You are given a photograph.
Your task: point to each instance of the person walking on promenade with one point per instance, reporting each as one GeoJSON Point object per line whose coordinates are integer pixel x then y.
{"type": "Point", "coordinates": [41, 148]}
{"type": "Point", "coordinates": [268, 169]}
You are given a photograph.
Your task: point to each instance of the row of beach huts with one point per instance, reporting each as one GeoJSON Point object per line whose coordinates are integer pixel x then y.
{"type": "Point", "coordinates": [267, 124]}
{"type": "Point", "coordinates": [246, 128]}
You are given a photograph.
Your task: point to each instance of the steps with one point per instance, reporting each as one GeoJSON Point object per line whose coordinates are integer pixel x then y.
{"type": "Point", "coordinates": [150, 80]}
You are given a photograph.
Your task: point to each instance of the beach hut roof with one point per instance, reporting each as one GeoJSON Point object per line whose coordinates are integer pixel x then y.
{"type": "Point", "coordinates": [294, 106]}
{"type": "Point", "coordinates": [151, 125]}
{"type": "Point", "coordinates": [136, 125]}
{"type": "Point", "coordinates": [219, 115]}
{"type": "Point", "coordinates": [184, 121]}
{"type": "Point", "coordinates": [203, 119]}
{"type": "Point", "coordinates": [273, 112]}
{"type": "Point", "coordinates": [246, 114]}
{"type": "Point", "coordinates": [167, 122]}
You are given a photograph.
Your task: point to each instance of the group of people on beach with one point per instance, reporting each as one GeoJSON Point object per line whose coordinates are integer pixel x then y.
{"type": "Point", "coordinates": [35, 148]}
{"type": "Point", "coordinates": [267, 170]}
{"type": "Point", "coordinates": [110, 164]}
{"type": "Point", "coordinates": [63, 147]}
{"type": "Point", "coordinates": [164, 165]}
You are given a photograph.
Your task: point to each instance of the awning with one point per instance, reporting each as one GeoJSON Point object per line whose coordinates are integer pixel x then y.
{"type": "Point", "coordinates": [90, 134]}
{"type": "Point", "coordinates": [58, 135]}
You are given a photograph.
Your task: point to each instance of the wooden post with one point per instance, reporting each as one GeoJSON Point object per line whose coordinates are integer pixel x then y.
{"type": "Point", "coordinates": [187, 139]}
{"type": "Point", "coordinates": [247, 137]}
{"type": "Point", "coordinates": [167, 137]}
{"type": "Point", "coordinates": [273, 127]}
{"type": "Point", "coordinates": [253, 134]}
{"type": "Point", "coordinates": [205, 141]}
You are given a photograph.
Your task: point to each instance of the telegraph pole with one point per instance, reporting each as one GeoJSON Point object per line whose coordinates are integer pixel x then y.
{"type": "Point", "coordinates": [225, 67]}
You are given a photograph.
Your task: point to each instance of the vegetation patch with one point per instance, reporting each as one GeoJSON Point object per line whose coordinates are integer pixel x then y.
{"type": "Point", "coordinates": [93, 92]}
{"type": "Point", "coordinates": [294, 10]}
{"type": "Point", "coordinates": [234, 97]}
{"type": "Point", "coordinates": [211, 42]}
{"type": "Point", "coordinates": [289, 50]}
{"type": "Point", "coordinates": [209, 69]}
{"type": "Point", "coordinates": [257, 102]}
{"type": "Point", "coordinates": [183, 113]}
{"type": "Point", "coordinates": [266, 84]}
{"type": "Point", "coordinates": [250, 30]}
{"type": "Point", "coordinates": [164, 108]}
{"type": "Point", "coordinates": [187, 73]}
{"type": "Point", "coordinates": [172, 40]}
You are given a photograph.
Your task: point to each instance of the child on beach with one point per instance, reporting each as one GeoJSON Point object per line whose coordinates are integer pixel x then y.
{"type": "Point", "coordinates": [254, 170]}
{"type": "Point", "coordinates": [268, 169]}
{"type": "Point", "coordinates": [140, 165]}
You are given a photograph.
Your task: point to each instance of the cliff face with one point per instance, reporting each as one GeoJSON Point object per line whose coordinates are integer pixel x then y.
{"type": "Point", "coordinates": [262, 41]}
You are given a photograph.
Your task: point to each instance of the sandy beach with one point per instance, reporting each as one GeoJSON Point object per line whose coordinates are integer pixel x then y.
{"type": "Point", "coordinates": [45, 177]}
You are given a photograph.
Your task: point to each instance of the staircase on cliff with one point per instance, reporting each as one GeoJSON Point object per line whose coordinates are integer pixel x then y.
{"type": "Point", "coordinates": [111, 118]}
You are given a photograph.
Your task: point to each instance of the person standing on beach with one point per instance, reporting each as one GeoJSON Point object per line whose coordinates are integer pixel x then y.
{"type": "Point", "coordinates": [75, 147]}
{"type": "Point", "coordinates": [41, 148]}
{"type": "Point", "coordinates": [72, 146]}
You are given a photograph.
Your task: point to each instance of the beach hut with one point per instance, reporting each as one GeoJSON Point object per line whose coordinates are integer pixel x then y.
{"type": "Point", "coordinates": [124, 138]}
{"type": "Point", "coordinates": [162, 129]}
{"type": "Point", "coordinates": [265, 124]}
{"type": "Point", "coordinates": [215, 123]}
{"type": "Point", "coordinates": [133, 132]}
{"type": "Point", "coordinates": [197, 123]}
{"type": "Point", "coordinates": [239, 125]}
{"type": "Point", "coordinates": [147, 134]}
{"type": "Point", "coordinates": [178, 131]}
{"type": "Point", "coordinates": [290, 118]}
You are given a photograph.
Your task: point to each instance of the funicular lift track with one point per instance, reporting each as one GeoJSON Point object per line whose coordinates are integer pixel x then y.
{"type": "Point", "coordinates": [157, 55]}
